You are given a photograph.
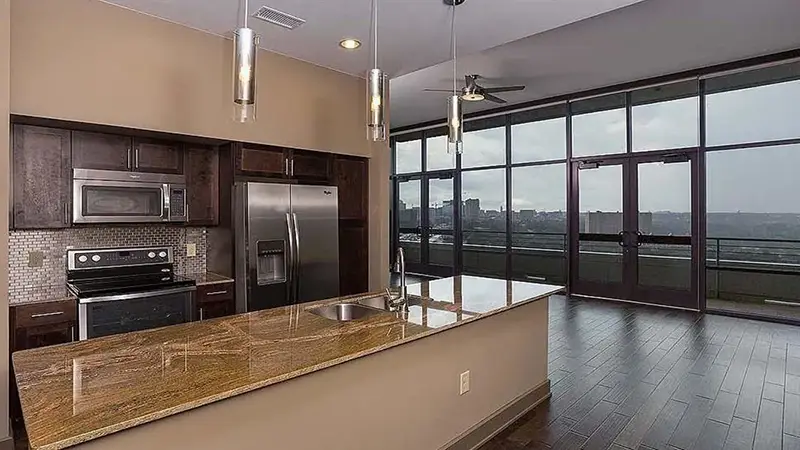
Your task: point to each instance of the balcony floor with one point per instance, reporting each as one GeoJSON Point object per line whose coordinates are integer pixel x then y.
{"type": "Point", "coordinates": [633, 377]}
{"type": "Point", "coordinates": [757, 309]}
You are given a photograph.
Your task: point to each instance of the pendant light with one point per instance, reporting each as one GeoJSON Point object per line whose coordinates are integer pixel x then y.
{"type": "Point", "coordinates": [455, 112]}
{"type": "Point", "coordinates": [376, 88]}
{"type": "Point", "coordinates": [245, 48]}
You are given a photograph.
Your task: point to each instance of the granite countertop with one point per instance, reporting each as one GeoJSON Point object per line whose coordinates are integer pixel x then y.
{"type": "Point", "coordinates": [77, 392]}
{"type": "Point", "coordinates": [206, 278]}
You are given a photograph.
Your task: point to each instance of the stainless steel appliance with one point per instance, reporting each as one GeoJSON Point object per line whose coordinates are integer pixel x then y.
{"type": "Point", "coordinates": [287, 244]}
{"type": "Point", "coordinates": [127, 289]}
{"type": "Point", "coordinates": [108, 196]}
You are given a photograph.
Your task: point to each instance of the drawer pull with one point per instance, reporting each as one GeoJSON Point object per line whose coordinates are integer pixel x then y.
{"type": "Point", "coordinates": [216, 293]}
{"type": "Point", "coordinates": [49, 314]}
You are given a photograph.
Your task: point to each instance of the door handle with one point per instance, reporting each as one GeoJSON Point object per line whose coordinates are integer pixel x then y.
{"type": "Point", "coordinates": [296, 256]}
{"type": "Point", "coordinates": [128, 162]}
{"type": "Point", "coordinates": [136, 158]}
{"type": "Point", "coordinates": [209, 294]}
{"type": "Point", "coordinates": [290, 262]}
{"type": "Point", "coordinates": [291, 168]}
{"type": "Point", "coordinates": [201, 313]}
{"type": "Point", "coordinates": [286, 166]}
{"type": "Point", "coordinates": [66, 213]}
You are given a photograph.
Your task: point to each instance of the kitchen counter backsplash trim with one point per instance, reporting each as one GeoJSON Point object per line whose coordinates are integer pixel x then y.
{"type": "Point", "coordinates": [37, 264]}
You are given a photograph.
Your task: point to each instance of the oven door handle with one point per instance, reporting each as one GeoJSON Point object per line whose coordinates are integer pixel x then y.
{"type": "Point", "coordinates": [135, 295]}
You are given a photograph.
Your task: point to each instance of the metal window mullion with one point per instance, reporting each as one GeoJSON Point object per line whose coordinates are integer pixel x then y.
{"type": "Point", "coordinates": [628, 123]}
{"type": "Point", "coordinates": [572, 208]}
{"type": "Point", "coordinates": [458, 244]}
{"type": "Point", "coordinates": [508, 198]}
{"type": "Point", "coordinates": [702, 219]}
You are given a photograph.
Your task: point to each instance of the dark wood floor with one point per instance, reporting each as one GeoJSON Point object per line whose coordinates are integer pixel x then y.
{"type": "Point", "coordinates": [633, 377]}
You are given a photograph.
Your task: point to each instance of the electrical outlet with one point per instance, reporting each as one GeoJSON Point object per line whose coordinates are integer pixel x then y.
{"type": "Point", "coordinates": [191, 249]}
{"type": "Point", "coordinates": [464, 383]}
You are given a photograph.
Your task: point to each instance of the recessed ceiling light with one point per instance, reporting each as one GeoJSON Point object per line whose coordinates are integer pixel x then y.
{"type": "Point", "coordinates": [350, 44]}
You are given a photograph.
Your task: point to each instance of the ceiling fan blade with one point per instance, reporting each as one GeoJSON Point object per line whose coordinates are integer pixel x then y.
{"type": "Point", "coordinates": [492, 98]}
{"type": "Point", "coordinates": [438, 90]}
{"type": "Point", "coordinates": [503, 89]}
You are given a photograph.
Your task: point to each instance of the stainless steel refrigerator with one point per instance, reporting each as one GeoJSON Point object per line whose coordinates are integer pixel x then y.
{"type": "Point", "coordinates": [286, 245]}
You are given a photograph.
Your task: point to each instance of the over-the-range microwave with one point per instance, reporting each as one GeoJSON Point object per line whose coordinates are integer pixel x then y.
{"type": "Point", "coordinates": [108, 196]}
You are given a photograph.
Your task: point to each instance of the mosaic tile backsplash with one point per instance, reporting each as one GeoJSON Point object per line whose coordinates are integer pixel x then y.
{"type": "Point", "coordinates": [37, 258]}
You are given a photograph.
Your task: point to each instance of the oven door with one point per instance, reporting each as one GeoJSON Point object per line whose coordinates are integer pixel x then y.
{"type": "Point", "coordinates": [119, 201]}
{"type": "Point", "coordinates": [103, 316]}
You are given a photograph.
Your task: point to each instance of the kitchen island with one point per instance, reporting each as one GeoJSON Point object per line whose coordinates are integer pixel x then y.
{"type": "Point", "coordinates": [391, 381]}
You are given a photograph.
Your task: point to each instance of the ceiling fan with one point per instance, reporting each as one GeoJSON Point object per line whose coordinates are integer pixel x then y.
{"type": "Point", "coordinates": [473, 92]}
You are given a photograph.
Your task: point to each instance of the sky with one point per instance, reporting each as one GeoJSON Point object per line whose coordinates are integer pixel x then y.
{"type": "Point", "coordinates": [756, 180]}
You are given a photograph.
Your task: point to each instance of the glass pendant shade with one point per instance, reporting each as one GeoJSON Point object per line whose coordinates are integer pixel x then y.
{"type": "Point", "coordinates": [244, 74]}
{"type": "Point", "coordinates": [455, 124]}
{"type": "Point", "coordinates": [376, 105]}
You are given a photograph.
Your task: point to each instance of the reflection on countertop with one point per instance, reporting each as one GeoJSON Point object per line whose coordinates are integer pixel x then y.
{"type": "Point", "coordinates": [78, 392]}
{"type": "Point", "coordinates": [206, 278]}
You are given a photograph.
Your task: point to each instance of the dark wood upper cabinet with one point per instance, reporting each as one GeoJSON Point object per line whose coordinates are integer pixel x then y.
{"type": "Point", "coordinates": [313, 166]}
{"type": "Point", "coordinates": [151, 155]}
{"type": "Point", "coordinates": [351, 178]}
{"type": "Point", "coordinates": [264, 161]}
{"type": "Point", "coordinates": [41, 175]}
{"type": "Point", "coordinates": [353, 259]}
{"type": "Point", "coordinates": [202, 185]}
{"type": "Point", "coordinates": [101, 151]}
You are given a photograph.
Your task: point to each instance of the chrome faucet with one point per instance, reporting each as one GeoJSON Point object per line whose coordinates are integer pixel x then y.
{"type": "Point", "coordinates": [394, 303]}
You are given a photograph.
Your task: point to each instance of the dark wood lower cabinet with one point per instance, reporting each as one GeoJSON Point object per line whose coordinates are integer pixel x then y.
{"type": "Point", "coordinates": [215, 300]}
{"type": "Point", "coordinates": [37, 325]}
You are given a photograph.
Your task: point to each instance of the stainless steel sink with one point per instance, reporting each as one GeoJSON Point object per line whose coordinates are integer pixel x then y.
{"type": "Point", "coordinates": [344, 312]}
{"type": "Point", "coordinates": [379, 301]}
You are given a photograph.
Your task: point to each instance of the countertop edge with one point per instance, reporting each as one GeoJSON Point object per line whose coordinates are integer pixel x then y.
{"type": "Point", "coordinates": [151, 417]}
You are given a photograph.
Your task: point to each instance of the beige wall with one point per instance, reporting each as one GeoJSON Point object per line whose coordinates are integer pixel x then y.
{"type": "Point", "coordinates": [402, 398]}
{"type": "Point", "coordinates": [5, 41]}
{"type": "Point", "coordinates": [88, 61]}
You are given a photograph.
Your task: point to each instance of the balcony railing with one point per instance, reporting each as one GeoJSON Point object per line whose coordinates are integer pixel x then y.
{"type": "Point", "coordinates": [738, 270]}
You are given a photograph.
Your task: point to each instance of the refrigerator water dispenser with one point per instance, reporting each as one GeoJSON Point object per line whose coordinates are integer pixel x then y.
{"type": "Point", "coordinates": [270, 262]}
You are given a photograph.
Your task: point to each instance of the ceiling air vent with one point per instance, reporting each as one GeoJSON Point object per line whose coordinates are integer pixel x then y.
{"type": "Point", "coordinates": [279, 18]}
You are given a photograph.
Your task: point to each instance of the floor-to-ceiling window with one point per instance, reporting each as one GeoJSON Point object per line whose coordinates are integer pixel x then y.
{"type": "Point", "coordinates": [753, 211]}
{"type": "Point", "coordinates": [671, 193]}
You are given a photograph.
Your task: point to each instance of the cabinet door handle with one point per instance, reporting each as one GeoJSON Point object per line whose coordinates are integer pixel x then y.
{"type": "Point", "coordinates": [66, 213]}
{"type": "Point", "coordinates": [136, 158]}
{"type": "Point", "coordinates": [291, 168]}
{"type": "Point", "coordinates": [72, 332]}
{"type": "Point", "coordinates": [128, 163]}
{"type": "Point", "coordinates": [216, 293]}
{"type": "Point", "coordinates": [286, 166]}
{"type": "Point", "coordinates": [201, 313]}
{"type": "Point", "coordinates": [48, 314]}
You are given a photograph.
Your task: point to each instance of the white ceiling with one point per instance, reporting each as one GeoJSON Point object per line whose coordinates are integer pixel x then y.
{"type": "Point", "coordinates": [413, 33]}
{"type": "Point", "coordinates": [647, 39]}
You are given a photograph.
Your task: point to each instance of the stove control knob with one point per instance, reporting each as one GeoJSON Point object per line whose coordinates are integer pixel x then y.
{"type": "Point", "coordinates": [83, 258]}
{"type": "Point", "coordinates": [96, 258]}
{"type": "Point", "coordinates": [162, 255]}
{"type": "Point", "coordinates": [151, 255]}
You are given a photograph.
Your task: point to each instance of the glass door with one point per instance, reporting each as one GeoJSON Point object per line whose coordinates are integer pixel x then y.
{"type": "Point", "coordinates": [600, 257]}
{"type": "Point", "coordinates": [634, 228]}
{"type": "Point", "coordinates": [663, 244]}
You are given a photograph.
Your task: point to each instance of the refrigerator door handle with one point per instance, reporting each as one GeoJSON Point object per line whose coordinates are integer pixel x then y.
{"type": "Point", "coordinates": [290, 261]}
{"type": "Point", "coordinates": [296, 258]}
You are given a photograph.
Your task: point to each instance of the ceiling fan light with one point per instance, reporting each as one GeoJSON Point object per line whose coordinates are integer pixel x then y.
{"type": "Point", "coordinates": [473, 96]}
{"type": "Point", "coordinates": [245, 42]}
